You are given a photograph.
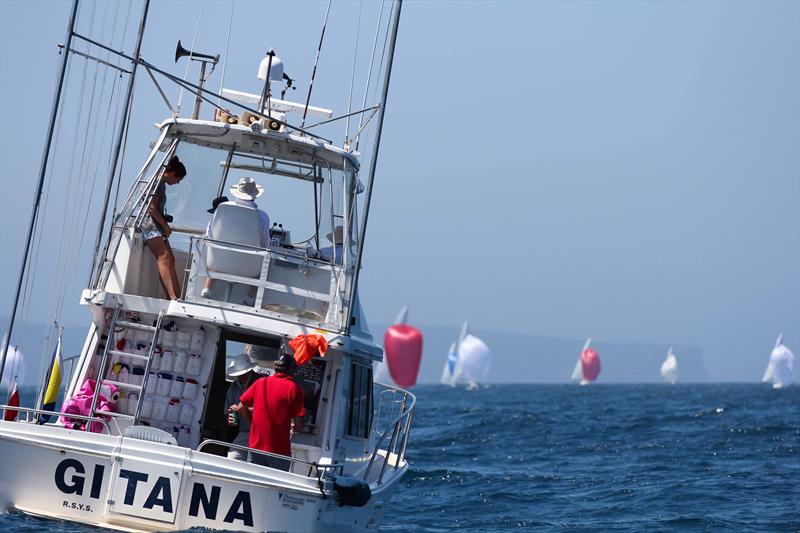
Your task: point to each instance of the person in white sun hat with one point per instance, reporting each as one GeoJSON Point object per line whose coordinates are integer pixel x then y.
{"type": "Point", "coordinates": [337, 238]}
{"type": "Point", "coordinates": [244, 194]}
{"type": "Point", "coordinates": [240, 372]}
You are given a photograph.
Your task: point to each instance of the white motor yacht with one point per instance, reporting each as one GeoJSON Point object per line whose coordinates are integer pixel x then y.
{"type": "Point", "coordinates": [155, 458]}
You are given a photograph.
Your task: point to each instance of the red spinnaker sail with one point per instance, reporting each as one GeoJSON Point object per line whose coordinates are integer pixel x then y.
{"type": "Point", "coordinates": [13, 400]}
{"type": "Point", "coordinates": [590, 362]}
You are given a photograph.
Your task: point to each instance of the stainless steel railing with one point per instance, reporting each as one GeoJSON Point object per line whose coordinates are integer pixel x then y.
{"type": "Point", "coordinates": [397, 405]}
{"type": "Point", "coordinates": [285, 274]}
{"type": "Point", "coordinates": [30, 411]}
{"type": "Point", "coordinates": [321, 470]}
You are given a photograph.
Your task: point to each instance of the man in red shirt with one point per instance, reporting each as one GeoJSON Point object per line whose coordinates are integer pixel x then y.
{"type": "Point", "coordinates": [275, 401]}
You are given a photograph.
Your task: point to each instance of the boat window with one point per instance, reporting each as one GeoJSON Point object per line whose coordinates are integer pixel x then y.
{"type": "Point", "coordinates": [287, 201]}
{"type": "Point", "coordinates": [289, 196]}
{"type": "Point", "coordinates": [359, 414]}
{"type": "Point", "coordinates": [189, 201]}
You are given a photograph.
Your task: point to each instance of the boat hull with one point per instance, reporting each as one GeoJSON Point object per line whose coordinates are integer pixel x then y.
{"type": "Point", "coordinates": [128, 484]}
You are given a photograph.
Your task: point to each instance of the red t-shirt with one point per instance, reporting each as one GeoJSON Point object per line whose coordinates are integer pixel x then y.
{"type": "Point", "coordinates": [275, 401]}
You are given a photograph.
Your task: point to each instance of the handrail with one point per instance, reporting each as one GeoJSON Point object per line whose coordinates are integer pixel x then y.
{"type": "Point", "coordinates": [311, 464]}
{"type": "Point", "coordinates": [197, 268]}
{"type": "Point", "coordinates": [56, 413]}
{"type": "Point", "coordinates": [395, 428]}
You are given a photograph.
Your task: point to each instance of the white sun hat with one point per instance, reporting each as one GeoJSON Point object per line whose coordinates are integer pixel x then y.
{"type": "Point", "coordinates": [237, 366]}
{"type": "Point", "coordinates": [247, 189]}
{"type": "Point", "coordinates": [337, 235]}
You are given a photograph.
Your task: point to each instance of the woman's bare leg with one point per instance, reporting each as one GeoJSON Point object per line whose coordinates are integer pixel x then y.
{"type": "Point", "coordinates": [176, 283]}
{"type": "Point", "coordinates": [165, 262]}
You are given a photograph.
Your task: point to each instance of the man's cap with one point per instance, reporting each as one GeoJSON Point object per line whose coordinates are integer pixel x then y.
{"type": "Point", "coordinates": [285, 364]}
{"type": "Point", "coordinates": [215, 203]}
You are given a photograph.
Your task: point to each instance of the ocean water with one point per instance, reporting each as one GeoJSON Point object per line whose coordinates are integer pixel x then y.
{"type": "Point", "coordinates": [603, 458]}
{"type": "Point", "coordinates": [598, 458]}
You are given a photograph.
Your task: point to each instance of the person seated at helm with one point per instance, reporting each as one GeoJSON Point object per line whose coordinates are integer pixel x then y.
{"type": "Point", "coordinates": [244, 194]}
{"type": "Point", "coordinates": [337, 248]}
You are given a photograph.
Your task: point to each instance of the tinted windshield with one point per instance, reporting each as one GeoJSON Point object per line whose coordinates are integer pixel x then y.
{"type": "Point", "coordinates": [316, 199]}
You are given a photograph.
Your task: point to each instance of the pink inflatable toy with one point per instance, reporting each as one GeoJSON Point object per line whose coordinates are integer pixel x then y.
{"type": "Point", "coordinates": [81, 403]}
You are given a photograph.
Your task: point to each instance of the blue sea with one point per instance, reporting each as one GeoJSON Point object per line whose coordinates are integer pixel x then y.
{"type": "Point", "coordinates": [599, 458]}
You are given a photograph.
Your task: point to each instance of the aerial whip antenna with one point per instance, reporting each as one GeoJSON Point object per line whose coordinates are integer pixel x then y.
{"type": "Point", "coordinates": [316, 61]}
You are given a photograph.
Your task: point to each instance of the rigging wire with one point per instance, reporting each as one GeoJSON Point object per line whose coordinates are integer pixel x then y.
{"type": "Point", "coordinates": [75, 206]}
{"type": "Point", "coordinates": [371, 64]}
{"type": "Point", "coordinates": [380, 64]}
{"type": "Point", "coordinates": [30, 273]}
{"type": "Point", "coordinates": [121, 161]}
{"type": "Point", "coordinates": [316, 61]}
{"type": "Point", "coordinates": [225, 57]}
{"type": "Point", "coordinates": [87, 210]}
{"type": "Point", "coordinates": [34, 260]}
{"type": "Point", "coordinates": [352, 78]}
{"type": "Point", "coordinates": [39, 217]}
{"type": "Point", "coordinates": [60, 250]}
{"type": "Point", "coordinates": [189, 61]}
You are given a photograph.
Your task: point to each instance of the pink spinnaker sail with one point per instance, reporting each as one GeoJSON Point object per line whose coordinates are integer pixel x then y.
{"type": "Point", "coordinates": [590, 363]}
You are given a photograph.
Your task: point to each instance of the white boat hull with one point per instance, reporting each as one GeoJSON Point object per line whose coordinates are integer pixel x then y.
{"type": "Point", "coordinates": [128, 484]}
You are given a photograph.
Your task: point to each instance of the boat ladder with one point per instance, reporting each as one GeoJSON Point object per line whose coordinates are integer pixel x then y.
{"type": "Point", "coordinates": [111, 350]}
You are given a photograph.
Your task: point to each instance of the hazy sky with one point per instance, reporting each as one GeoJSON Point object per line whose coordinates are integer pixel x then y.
{"type": "Point", "coordinates": [620, 170]}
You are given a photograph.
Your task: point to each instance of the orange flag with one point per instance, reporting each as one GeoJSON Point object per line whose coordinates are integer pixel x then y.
{"type": "Point", "coordinates": [306, 347]}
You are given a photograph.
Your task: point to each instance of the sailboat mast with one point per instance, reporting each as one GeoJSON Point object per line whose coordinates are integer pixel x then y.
{"type": "Point", "coordinates": [374, 160]}
{"type": "Point", "coordinates": [120, 136]}
{"type": "Point", "coordinates": [62, 70]}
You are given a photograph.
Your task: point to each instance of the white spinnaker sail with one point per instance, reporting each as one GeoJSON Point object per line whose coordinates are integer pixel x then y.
{"type": "Point", "coordinates": [781, 369]}
{"type": "Point", "coordinates": [669, 368]}
{"type": "Point", "coordinates": [474, 360]}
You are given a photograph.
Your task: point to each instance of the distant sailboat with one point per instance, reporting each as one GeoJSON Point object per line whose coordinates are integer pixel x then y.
{"type": "Point", "coordinates": [449, 370]}
{"type": "Point", "coordinates": [468, 361]}
{"type": "Point", "coordinates": [781, 369]}
{"type": "Point", "coordinates": [381, 373]}
{"type": "Point", "coordinates": [587, 368]}
{"type": "Point", "coordinates": [669, 368]}
{"type": "Point", "coordinates": [451, 366]}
